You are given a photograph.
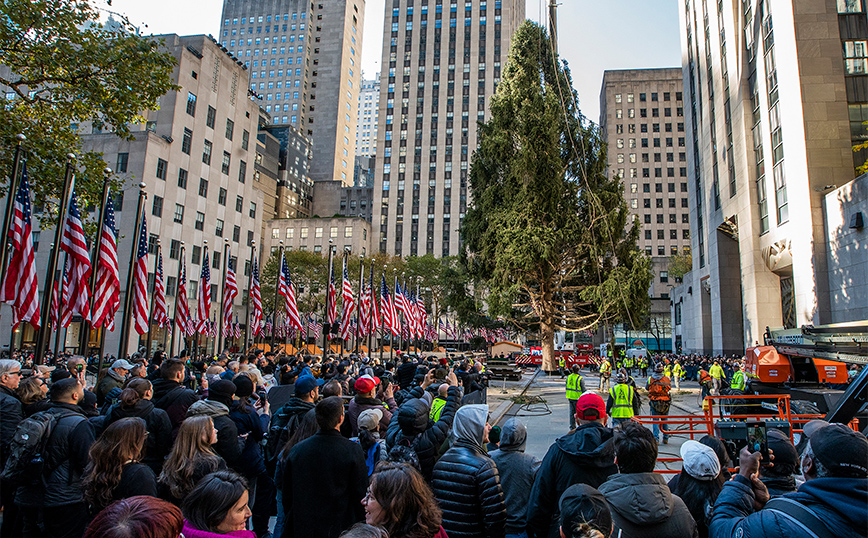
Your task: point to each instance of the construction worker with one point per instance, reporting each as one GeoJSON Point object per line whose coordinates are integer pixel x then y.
{"type": "Point", "coordinates": [705, 385]}
{"type": "Point", "coordinates": [667, 369]}
{"type": "Point", "coordinates": [677, 374]}
{"type": "Point", "coordinates": [575, 389]}
{"type": "Point", "coordinates": [717, 377]}
{"type": "Point", "coordinates": [658, 387]}
{"type": "Point", "coordinates": [621, 399]}
{"type": "Point", "coordinates": [605, 376]}
{"type": "Point", "coordinates": [438, 402]}
{"type": "Point", "coordinates": [561, 365]}
{"type": "Point", "coordinates": [627, 363]}
{"type": "Point", "coordinates": [738, 380]}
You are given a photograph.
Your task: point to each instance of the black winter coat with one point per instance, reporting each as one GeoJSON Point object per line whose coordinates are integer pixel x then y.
{"type": "Point", "coordinates": [411, 424]}
{"type": "Point", "coordinates": [251, 463]}
{"type": "Point", "coordinates": [284, 423]}
{"type": "Point", "coordinates": [466, 485]}
{"type": "Point", "coordinates": [323, 485]}
{"type": "Point", "coordinates": [10, 415]}
{"type": "Point", "coordinates": [174, 399]}
{"type": "Point", "coordinates": [643, 507]}
{"type": "Point", "coordinates": [159, 440]}
{"type": "Point", "coordinates": [228, 446]}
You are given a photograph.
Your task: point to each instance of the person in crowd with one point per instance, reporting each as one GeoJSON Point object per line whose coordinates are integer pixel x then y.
{"type": "Point", "coordinates": [305, 429]}
{"type": "Point", "coordinates": [369, 438]}
{"type": "Point", "coordinates": [287, 418]}
{"type": "Point", "coordinates": [622, 400]}
{"type": "Point", "coordinates": [831, 502]}
{"type": "Point", "coordinates": [11, 413]}
{"type": "Point", "coordinates": [114, 471]}
{"type": "Point", "coordinates": [699, 483]}
{"type": "Point", "coordinates": [323, 479]}
{"type": "Point", "coordinates": [677, 374]}
{"type": "Point", "coordinates": [642, 505]}
{"type": "Point", "coordinates": [658, 388]}
{"type": "Point", "coordinates": [141, 516]}
{"type": "Point", "coordinates": [191, 458]}
{"type": "Point", "coordinates": [517, 472]}
{"type": "Point", "coordinates": [738, 379]}
{"type": "Point", "coordinates": [585, 455]}
{"type": "Point", "coordinates": [332, 388]}
{"type": "Point", "coordinates": [584, 513]}
{"type": "Point", "coordinates": [170, 395]}
{"type": "Point", "coordinates": [59, 493]}
{"type": "Point", "coordinates": [575, 389]}
{"type": "Point", "coordinates": [217, 507]}
{"type": "Point", "coordinates": [113, 378]}
{"type": "Point", "coordinates": [717, 377]}
{"type": "Point", "coordinates": [399, 501]}
{"type": "Point", "coordinates": [779, 478]}
{"type": "Point", "coordinates": [77, 367]}
{"type": "Point", "coordinates": [438, 402]}
{"type": "Point", "coordinates": [605, 376]}
{"type": "Point", "coordinates": [135, 401]}
{"type": "Point", "coordinates": [229, 445]}
{"type": "Point", "coordinates": [466, 482]}
{"type": "Point", "coordinates": [33, 394]}
{"type": "Point", "coordinates": [493, 439]}
{"type": "Point", "coordinates": [363, 530]}
{"type": "Point", "coordinates": [411, 426]}
{"type": "Point", "coordinates": [366, 398]}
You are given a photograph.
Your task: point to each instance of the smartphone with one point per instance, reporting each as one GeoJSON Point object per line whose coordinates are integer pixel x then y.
{"type": "Point", "coordinates": [757, 439]}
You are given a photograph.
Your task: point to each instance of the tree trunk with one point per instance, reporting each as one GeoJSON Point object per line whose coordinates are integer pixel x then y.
{"type": "Point", "coordinates": [547, 339]}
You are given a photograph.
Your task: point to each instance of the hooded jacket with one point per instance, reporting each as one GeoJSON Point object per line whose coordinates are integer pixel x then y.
{"type": "Point", "coordinates": [412, 426]}
{"type": "Point", "coordinates": [643, 507]}
{"type": "Point", "coordinates": [466, 483]}
{"type": "Point", "coordinates": [359, 403]}
{"type": "Point", "coordinates": [283, 424]}
{"type": "Point", "coordinates": [228, 445]}
{"type": "Point", "coordinates": [840, 503]}
{"type": "Point", "coordinates": [517, 472]}
{"type": "Point", "coordinates": [158, 443]}
{"type": "Point", "coordinates": [584, 456]}
{"type": "Point", "coordinates": [174, 399]}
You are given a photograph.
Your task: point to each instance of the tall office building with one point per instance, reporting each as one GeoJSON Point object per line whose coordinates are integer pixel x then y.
{"type": "Point", "coordinates": [366, 128]}
{"type": "Point", "coordinates": [776, 92]}
{"type": "Point", "coordinates": [305, 65]}
{"type": "Point", "coordinates": [642, 121]}
{"type": "Point", "coordinates": [441, 63]}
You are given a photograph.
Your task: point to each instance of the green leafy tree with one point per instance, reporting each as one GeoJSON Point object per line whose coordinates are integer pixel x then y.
{"type": "Point", "coordinates": [60, 68]}
{"type": "Point", "coordinates": [680, 264]}
{"type": "Point", "coordinates": [548, 230]}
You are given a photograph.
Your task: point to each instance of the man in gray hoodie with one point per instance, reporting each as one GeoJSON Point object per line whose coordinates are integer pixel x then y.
{"type": "Point", "coordinates": [517, 472]}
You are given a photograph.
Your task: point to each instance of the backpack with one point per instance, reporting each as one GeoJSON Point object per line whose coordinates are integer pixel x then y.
{"type": "Point", "coordinates": [657, 390]}
{"type": "Point", "coordinates": [26, 462]}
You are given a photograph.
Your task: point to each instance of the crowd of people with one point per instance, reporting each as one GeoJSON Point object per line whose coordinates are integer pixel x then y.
{"type": "Point", "coordinates": [171, 447]}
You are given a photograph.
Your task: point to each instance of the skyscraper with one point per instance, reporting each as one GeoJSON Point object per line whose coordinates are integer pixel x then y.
{"type": "Point", "coordinates": [366, 129]}
{"type": "Point", "coordinates": [441, 62]}
{"type": "Point", "coordinates": [305, 65]}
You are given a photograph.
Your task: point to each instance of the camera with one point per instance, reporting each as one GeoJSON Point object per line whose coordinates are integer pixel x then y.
{"type": "Point", "coordinates": [737, 434]}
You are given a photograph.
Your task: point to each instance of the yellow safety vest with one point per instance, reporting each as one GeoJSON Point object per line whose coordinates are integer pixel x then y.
{"type": "Point", "coordinates": [667, 371]}
{"type": "Point", "coordinates": [623, 396]}
{"type": "Point", "coordinates": [737, 380]}
{"type": "Point", "coordinates": [678, 370]}
{"type": "Point", "coordinates": [436, 409]}
{"type": "Point", "coordinates": [561, 362]}
{"type": "Point", "coordinates": [628, 362]}
{"type": "Point", "coordinates": [574, 386]}
{"type": "Point", "coordinates": [606, 368]}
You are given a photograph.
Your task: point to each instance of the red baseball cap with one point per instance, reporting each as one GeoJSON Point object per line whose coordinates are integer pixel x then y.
{"type": "Point", "coordinates": [590, 406]}
{"type": "Point", "coordinates": [366, 383]}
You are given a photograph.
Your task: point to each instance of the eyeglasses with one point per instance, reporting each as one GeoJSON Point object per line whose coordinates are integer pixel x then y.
{"type": "Point", "coordinates": [14, 373]}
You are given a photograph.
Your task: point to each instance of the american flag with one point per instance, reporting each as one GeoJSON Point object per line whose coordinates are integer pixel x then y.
{"type": "Point", "coordinates": [286, 288]}
{"type": "Point", "coordinates": [76, 290]}
{"type": "Point", "coordinates": [256, 298]}
{"type": "Point", "coordinates": [230, 291]}
{"type": "Point", "coordinates": [107, 296]}
{"type": "Point", "coordinates": [410, 313]}
{"type": "Point", "coordinates": [161, 310]}
{"type": "Point", "coordinates": [376, 322]}
{"type": "Point", "coordinates": [365, 312]}
{"type": "Point", "coordinates": [387, 306]}
{"type": "Point", "coordinates": [400, 299]}
{"type": "Point", "coordinates": [20, 288]}
{"type": "Point", "coordinates": [182, 309]}
{"type": "Point", "coordinates": [421, 313]}
{"type": "Point", "coordinates": [314, 326]}
{"type": "Point", "coordinates": [266, 329]}
{"type": "Point", "coordinates": [204, 309]}
{"type": "Point", "coordinates": [65, 313]}
{"type": "Point", "coordinates": [332, 299]}
{"type": "Point", "coordinates": [349, 303]}
{"type": "Point", "coordinates": [237, 328]}
{"type": "Point", "coordinates": [55, 306]}
{"type": "Point", "coordinates": [212, 328]}
{"type": "Point", "coordinates": [140, 282]}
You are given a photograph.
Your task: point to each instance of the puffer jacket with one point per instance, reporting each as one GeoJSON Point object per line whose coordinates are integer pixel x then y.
{"type": "Point", "coordinates": [228, 446]}
{"type": "Point", "coordinates": [584, 456]}
{"type": "Point", "coordinates": [517, 472]}
{"type": "Point", "coordinates": [412, 426]}
{"type": "Point", "coordinates": [159, 440]}
{"type": "Point", "coordinates": [840, 503]}
{"type": "Point", "coordinates": [66, 456]}
{"type": "Point", "coordinates": [466, 483]}
{"type": "Point", "coordinates": [11, 414]}
{"type": "Point", "coordinates": [643, 507]}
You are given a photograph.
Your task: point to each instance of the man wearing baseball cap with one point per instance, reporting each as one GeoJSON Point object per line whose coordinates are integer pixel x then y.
{"type": "Point", "coordinates": [833, 501]}
{"type": "Point", "coordinates": [586, 455]}
{"type": "Point", "coordinates": [366, 398]}
{"type": "Point", "coordinates": [114, 378]}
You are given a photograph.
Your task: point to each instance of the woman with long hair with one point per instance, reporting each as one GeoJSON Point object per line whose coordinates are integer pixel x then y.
{"type": "Point", "coordinates": [218, 506]}
{"type": "Point", "coordinates": [400, 502]}
{"type": "Point", "coordinates": [191, 458]}
{"type": "Point", "coordinates": [113, 471]}
{"type": "Point", "coordinates": [33, 393]}
{"type": "Point", "coordinates": [135, 401]}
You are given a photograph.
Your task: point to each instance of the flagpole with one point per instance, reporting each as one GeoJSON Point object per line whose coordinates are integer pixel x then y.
{"type": "Point", "coordinates": [128, 299]}
{"type": "Point", "coordinates": [359, 309]}
{"type": "Point", "coordinates": [247, 302]}
{"type": "Point", "coordinates": [58, 329]}
{"type": "Point", "coordinates": [153, 296]}
{"type": "Point", "coordinates": [84, 337]}
{"type": "Point", "coordinates": [223, 297]}
{"type": "Point", "coordinates": [68, 186]}
{"type": "Point", "coordinates": [372, 333]}
{"type": "Point", "coordinates": [10, 204]}
{"type": "Point", "coordinates": [175, 317]}
{"type": "Point", "coordinates": [276, 294]}
{"type": "Point", "coordinates": [327, 327]}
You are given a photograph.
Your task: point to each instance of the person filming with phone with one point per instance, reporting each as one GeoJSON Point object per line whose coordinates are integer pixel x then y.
{"type": "Point", "coordinates": [832, 503]}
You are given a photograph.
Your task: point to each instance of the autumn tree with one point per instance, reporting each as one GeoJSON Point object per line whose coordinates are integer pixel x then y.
{"type": "Point", "coordinates": [549, 232]}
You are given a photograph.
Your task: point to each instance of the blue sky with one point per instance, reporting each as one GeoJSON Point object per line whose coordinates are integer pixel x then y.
{"type": "Point", "coordinates": [595, 34]}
